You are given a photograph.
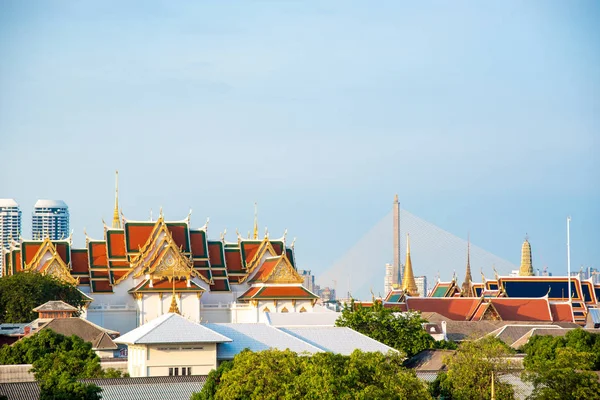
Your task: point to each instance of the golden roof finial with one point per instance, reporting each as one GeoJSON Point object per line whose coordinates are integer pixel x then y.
{"type": "Point", "coordinates": [255, 220]}
{"type": "Point", "coordinates": [408, 280]}
{"type": "Point", "coordinates": [173, 308]}
{"type": "Point", "coordinates": [116, 222]}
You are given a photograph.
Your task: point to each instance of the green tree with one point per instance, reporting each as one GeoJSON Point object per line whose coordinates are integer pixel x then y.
{"type": "Point", "coordinates": [275, 374]}
{"type": "Point", "coordinates": [469, 374]}
{"type": "Point", "coordinates": [22, 292]}
{"type": "Point", "coordinates": [58, 362]}
{"type": "Point", "coordinates": [560, 367]}
{"type": "Point", "coordinates": [541, 349]}
{"type": "Point", "coordinates": [402, 331]}
{"type": "Point", "coordinates": [212, 382]}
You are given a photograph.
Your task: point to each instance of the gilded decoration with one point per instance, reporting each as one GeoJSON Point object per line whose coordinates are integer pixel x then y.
{"type": "Point", "coordinates": [284, 273]}
{"type": "Point", "coordinates": [54, 266]}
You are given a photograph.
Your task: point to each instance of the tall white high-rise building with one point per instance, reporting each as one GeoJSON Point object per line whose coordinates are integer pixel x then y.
{"type": "Point", "coordinates": [10, 225]}
{"type": "Point", "coordinates": [388, 280]}
{"type": "Point", "coordinates": [421, 282]}
{"type": "Point", "coordinates": [50, 220]}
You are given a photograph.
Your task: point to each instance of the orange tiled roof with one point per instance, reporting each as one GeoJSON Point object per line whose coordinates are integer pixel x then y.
{"type": "Point", "coordinates": [455, 308]}
{"type": "Point", "coordinates": [79, 262]}
{"type": "Point", "coordinates": [198, 243]}
{"type": "Point", "coordinates": [561, 312]}
{"type": "Point", "coordinates": [522, 309]}
{"type": "Point", "coordinates": [265, 269]}
{"type": "Point", "coordinates": [116, 243]}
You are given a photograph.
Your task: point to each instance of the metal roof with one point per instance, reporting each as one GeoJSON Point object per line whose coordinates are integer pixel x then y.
{"type": "Point", "coordinates": [303, 319]}
{"type": "Point", "coordinates": [257, 337]}
{"type": "Point", "coordinates": [339, 340]}
{"type": "Point", "coordinates": [149, 388]}
{"type": "Point", "coordinates": [171, 328]}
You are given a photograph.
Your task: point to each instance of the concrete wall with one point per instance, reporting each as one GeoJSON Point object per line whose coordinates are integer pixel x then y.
{"type": "Point", "coordinates": [20, 373]}
{"type": "Point", "coordinates": [200, 357]}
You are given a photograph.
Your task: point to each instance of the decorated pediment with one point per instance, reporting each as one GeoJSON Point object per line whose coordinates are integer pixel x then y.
{"type": "Point", "coordinates": [277, 270]}
{"type": "Point", "coordinates": [47, 261]}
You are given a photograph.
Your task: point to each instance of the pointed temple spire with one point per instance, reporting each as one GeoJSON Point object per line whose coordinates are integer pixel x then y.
{"type": "Point", "coordinates": [174, 308]}
{"type": "Point", "coordinates": [467, 287]}
{"type": "Point", "coordinates": [526, 264]}
{"type": "Point", "coordinates": [408, 281]}
{"type": "Point", "coordinates": [116, 222]}
{"type": "Point", "coordinates": [255, 221]}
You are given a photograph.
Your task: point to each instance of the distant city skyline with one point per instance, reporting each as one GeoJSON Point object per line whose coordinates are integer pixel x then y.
{"type": "Point", "coordinates": [483, 117]}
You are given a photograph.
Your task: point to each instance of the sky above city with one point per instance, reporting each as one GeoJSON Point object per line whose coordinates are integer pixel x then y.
{"type": "Point", "coordinates": [484, 117]}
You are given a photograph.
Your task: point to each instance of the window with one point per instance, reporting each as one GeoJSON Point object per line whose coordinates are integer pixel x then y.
{"type": "Point", "coordinates": [170, 371]}
{"type": "Point", "coordinates": [176, 371]}
{"type": "Point", "coordinates": [189, 370]}
{"type": "Point", "coordinates": [183, 371]}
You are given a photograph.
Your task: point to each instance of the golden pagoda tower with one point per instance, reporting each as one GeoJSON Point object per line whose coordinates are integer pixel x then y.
{"type": "Point", "coordinates": [116, 222]}
{"type": "Point", "coordinates": [467, 287]}
{"type": "Point", "coordinates": [526, 264]}
{"type": "Point", "coordinates": [408, 280]}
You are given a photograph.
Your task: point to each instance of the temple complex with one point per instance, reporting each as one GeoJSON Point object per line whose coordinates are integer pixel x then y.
{"type": "Point", "coordinates": [510, 298]}
{"type": "Point", "coordinates": [141, 270]}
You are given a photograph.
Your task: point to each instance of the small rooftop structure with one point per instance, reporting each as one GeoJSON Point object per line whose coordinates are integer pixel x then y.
{"type": "Point", "coordinates": [44, 203]}
{"type": "Point", "coordinates": [100, 338]}
{"type": "Point", "coordinates": [8, 203]}
{"type": "Point", "coordinates": [172, 328]}
{"type": "Point", "coordinates": [55, 309]}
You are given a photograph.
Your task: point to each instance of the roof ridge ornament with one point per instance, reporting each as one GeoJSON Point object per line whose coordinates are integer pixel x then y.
{"type": "Point", "coordinates": [255, 220]}
{"type": "Point", "coordinates": [116, 222]}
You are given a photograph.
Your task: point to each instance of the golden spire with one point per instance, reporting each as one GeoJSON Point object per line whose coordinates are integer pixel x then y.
{"type": "Point", "coordinates": [526, 264]}
{"type": "Point", "coordinates": [408, 280]}
{"type": "Point", "coordinates": [467, 288]}
{"type": "Point", "coordinates": [255, 221]}
{"type": "Point", "coordinates": [116, 223]}
{"type": "Point", "coordinates": [174, 308]}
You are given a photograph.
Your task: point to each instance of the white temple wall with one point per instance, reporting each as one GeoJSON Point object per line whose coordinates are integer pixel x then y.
{"type": "Point", "coordinates": [189, 306]}
{"type": "Point", "coordinates": [120, 320]}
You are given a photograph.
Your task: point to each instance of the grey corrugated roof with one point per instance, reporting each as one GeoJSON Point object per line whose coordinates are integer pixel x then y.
{"type": "Point", "coordinates": [151, 388]}
{"type": "Point", "coordinates": [339, 340]}
{"type": "Point", "coordinates": [171, 328]}
{"type": "Point", "coordinates": [257, 337]}
{"type": "Point", "coordinates": [11, 329]}
{"type": "Point", "coordinates": [303, 319]}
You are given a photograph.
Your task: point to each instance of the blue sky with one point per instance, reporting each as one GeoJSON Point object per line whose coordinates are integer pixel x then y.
{"type": "Point", "coordinates": [483, 117]}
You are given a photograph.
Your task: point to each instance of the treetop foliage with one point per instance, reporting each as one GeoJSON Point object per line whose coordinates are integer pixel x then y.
{"type": "Point", "coordinates": [560, 367]}
{"type": "Point", "coordinates": [22, 292]}
{"type": "Point", "coordinates": [402, 331]}
{"type": "Point", "coordinates": [275, 374]}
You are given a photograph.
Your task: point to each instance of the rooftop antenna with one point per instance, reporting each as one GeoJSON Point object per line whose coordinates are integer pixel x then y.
{"type": "Point", "coordinates": [569, 254]}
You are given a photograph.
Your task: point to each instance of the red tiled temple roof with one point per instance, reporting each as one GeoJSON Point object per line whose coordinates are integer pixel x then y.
{"type": "Point", "coordinates": [561, 312]}
{"type": "Point", "coordinates": [116, 242]}
{"type": "Point", "coordinates": [265, 269]}
{"type": "Point", "coordinates": [522, 309]}
{"type": "Point", "coordinates": [79, 262]}
{"type": "Point", "coordinates": [455, 308]}
{"type": "Point", "coordinates": [198, 242]}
